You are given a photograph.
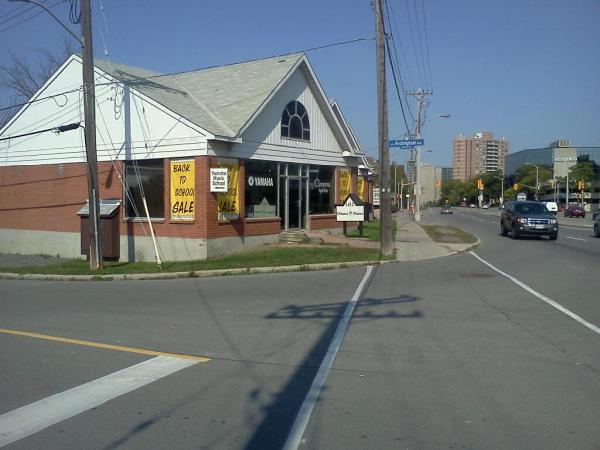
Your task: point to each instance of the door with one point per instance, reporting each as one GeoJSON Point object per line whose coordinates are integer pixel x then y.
{"type": "Point", "coordinates": [294, 203]}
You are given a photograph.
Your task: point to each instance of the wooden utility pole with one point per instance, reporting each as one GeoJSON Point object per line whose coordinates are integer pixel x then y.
{"type": "Point", "coordinates": [89, 107]}
{"type": "Point", "coordinates": [386, 244]}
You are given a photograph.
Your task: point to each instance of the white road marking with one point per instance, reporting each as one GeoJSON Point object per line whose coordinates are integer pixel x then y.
{"type": "Point", "coordinates": [542, 297]}
{"type": "Point", "coordinates": [29, 419]}
{"type": "Point", "coordinates": [576, 239]}
{"type": "Point", "coordinates": [295, 436]}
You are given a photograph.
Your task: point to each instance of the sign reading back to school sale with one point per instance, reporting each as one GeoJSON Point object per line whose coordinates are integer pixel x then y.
{"type": "Point", "coordinates": [343, 186]}
{"type": "Point", "coordinates": [183, 190]}
{"type": "Point", "coordinates": [229, 202]}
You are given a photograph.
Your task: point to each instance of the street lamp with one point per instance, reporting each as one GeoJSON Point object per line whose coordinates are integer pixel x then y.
{"type": "Point", "coordinates": [501, 195]}
{"type": "Point", "coordinates": [418, 160]}
{"type": "Point", "coordinates": [537, 185]}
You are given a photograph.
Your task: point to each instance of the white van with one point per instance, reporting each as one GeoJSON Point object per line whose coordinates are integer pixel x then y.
{"type": "Point", "coordinates": [552, 207]}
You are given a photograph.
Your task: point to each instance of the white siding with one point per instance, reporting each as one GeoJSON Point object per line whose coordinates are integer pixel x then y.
{"type": "Point", "coordinates": [262, 140]}
{"type": "Point", "coordinates": [154, 131]}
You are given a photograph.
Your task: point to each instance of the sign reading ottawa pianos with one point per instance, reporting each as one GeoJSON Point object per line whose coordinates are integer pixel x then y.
{"type": "Point", "coordinates": [351, 211]}
{"type": "Point", "coordinates": [183, 190]}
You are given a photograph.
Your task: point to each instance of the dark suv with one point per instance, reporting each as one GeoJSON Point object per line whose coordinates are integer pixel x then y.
{"type": "Point", "coordinates": [528, 218]}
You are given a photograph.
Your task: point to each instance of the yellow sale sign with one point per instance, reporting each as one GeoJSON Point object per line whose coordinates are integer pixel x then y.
{"type": "Point", "coordinates": [360, 188]}
{"type": "Point", "coordinates": [229, 202]}
{"type": "Point", "coordinates": [183, 190]}
{"type": "Point", "coordinates": [343, 185]}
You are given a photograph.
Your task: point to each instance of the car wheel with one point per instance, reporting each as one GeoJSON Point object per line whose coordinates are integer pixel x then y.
{"type": "Point", "coordinates": [503, 230]}
{"type": "Point", "coordinates": [514, 233]}
{"type": "Point", "coordinates": [553, 236]}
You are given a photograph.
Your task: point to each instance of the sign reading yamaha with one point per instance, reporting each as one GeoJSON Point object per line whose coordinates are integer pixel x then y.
{"type": "Point", "coordinates": [261, 181]}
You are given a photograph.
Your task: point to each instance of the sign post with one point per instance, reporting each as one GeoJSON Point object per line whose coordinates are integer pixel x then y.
{"type": "Point", "coordinates": [352, 210]}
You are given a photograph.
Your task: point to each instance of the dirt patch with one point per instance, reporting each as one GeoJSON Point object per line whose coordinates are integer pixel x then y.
{"type": "Point", "coordinates": [447, 234]}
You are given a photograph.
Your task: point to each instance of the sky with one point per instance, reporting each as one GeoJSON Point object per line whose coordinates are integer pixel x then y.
{"type": "Point", "coordinates": [525, 70]}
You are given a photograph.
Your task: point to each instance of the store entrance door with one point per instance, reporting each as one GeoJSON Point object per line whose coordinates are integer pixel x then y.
{"type": "Point", "coordinates": [294, 203]}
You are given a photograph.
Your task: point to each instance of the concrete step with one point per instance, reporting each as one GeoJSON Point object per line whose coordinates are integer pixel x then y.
{"type": "Point", "coordinates": [292, 236]}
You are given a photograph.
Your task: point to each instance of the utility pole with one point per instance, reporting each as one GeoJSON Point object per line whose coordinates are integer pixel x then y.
{"type": "Point", "coordinates": [386, 247]}
{"type": "Point", "coordinates": [89, 107]}
{"type": "Point", "coordinates": [419, 96]}
{"type": "Point", "coordinates": [90, 125]}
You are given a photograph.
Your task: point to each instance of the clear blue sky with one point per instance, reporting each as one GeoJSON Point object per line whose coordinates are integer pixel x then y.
{"type": "Point", "coordinates": [526, 70]}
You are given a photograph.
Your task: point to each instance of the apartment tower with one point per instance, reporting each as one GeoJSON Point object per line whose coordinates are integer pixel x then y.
{"type": "Point", "coordinates": [472, 156]}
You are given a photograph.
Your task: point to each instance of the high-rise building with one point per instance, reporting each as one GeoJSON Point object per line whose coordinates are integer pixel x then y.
{"type": "Point", "coordinates": [479, 154]}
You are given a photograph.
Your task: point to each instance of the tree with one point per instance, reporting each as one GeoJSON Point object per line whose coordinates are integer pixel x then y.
{"type": "Point", "coordinates": [583, 170]}
{"type": "Point", "coordinates": [21, 77]}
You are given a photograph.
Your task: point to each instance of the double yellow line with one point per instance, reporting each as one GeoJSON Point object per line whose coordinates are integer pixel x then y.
{"type": "Point", "coordinates": [120, 348]}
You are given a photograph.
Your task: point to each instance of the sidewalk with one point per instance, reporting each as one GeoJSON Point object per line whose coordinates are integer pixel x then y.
{"type": "Point", "coordinates": [412, 244]}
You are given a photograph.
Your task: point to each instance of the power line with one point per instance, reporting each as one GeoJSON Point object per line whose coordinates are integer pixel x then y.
{"type": "Point", "coordinates": [57, 129]}
{"type": "Point", "coordinates": [10, 27]}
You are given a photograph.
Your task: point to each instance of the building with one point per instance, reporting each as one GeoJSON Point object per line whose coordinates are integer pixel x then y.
{"type": "Point", "coordinates": [560, 156]}
{"type": "Point", "coordinates": [431, 183]}
{"type": "Point", "coordinates": [447, 173]}
{"type": "Point", "coordinates": [477, 155]}
{"type": "Point", "coordinates": [224, 158]}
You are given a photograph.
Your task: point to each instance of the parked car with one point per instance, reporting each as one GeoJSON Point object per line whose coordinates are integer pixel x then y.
{"type": "Point", "coordinates": [528, 218]}
{"type": "Point", "coordinates": [463, 204]}
{"type": "Point", "coordinates": [575, 211]}
{"type": "Point", "coordinates": [485, 206]}
{"type": "Point", "coordinates": [472, 205]}
{"type": "Point", "coordinates": [446, 209]}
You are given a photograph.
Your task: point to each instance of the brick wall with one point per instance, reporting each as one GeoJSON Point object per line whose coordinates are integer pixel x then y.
{"type": "Point", "coordinates": [323, 221]}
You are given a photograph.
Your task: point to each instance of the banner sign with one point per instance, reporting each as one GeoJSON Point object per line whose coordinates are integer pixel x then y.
{"type": "Point", "coordinates": [183, 190]}
{"type": "Point", "coordinates": [360, 189]}
{"type": "Point", "coordinates": [343, 185]}
{"type": "Point", "coordinates": [229, 202]}
{"type": "Point", "coordinates": [218, 179]}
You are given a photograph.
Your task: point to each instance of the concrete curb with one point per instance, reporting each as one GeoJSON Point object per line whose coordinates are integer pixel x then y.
{"type": "Point", "coordinates": [191, 274]}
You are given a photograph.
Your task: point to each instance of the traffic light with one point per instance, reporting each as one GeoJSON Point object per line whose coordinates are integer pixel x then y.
{"type": "Point", "coordinates": [479, 184]}
{"type": "Point", "coordinates": [580, 184]}
{"type": "Point", "coordinates": [516, 186]}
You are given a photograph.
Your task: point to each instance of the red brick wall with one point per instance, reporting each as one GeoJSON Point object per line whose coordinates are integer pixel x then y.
{"type": "Point", "coordinates": [323, 221]}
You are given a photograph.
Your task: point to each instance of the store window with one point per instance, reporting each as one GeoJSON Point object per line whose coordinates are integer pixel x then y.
{"type": "Point", "coordinates": [320, 190]}
{"type": "Point", "coordinates": [260, 189]}
{"type": "Point", "coordinates": [145, 178]}
{"type": "Point", "coordinates": [294, 122]}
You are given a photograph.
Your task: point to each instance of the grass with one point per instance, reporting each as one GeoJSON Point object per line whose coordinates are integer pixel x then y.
{"type": "Point", "coordinates": [371, 230]}
{"type": "Point", "coordinates": [268, 257]}
{"type": "Point", "coordinates": [448, 234]}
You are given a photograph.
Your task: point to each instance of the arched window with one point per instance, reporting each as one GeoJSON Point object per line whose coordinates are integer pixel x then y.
{"type": "Point", "coordinates": [294, 122]}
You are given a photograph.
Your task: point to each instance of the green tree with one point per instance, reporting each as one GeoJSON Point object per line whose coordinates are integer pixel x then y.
{"type": "Point", "coordinates": [581, 171]}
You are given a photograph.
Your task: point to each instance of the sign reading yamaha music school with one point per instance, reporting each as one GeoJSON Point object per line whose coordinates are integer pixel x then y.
{"type": "Point", "coordinates": [183, 190]}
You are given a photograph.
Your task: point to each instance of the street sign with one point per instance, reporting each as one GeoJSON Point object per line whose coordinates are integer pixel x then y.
{"type": "Point", "coordinates": [407, 143]}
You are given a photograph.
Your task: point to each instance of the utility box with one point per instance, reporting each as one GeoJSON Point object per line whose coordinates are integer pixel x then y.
{"type": "Point", "coordinates": [109, 229]}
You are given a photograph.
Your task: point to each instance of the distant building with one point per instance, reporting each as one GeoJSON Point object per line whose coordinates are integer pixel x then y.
{"type": "Point", "coordinates": [560, 156]}
{"type": "Point", "coordinates": [478, 154]}
{"type": "Point", "coordinates": [447, 173]}
{"type": "Point", "coordinates": [431, 181]}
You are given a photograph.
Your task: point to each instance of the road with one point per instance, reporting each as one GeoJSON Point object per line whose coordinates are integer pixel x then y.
{"type": "Point", "coordinates": [445, 353]}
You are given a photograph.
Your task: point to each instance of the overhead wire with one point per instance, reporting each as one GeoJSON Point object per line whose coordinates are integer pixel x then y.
{"type": "Point", "coordinates": [14, 25]}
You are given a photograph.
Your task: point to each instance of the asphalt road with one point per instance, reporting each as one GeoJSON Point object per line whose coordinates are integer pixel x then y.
{"type": "Point", "coordinates": [446, 353]}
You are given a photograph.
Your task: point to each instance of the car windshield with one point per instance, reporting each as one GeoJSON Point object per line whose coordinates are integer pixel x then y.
{"type": "Point", "coordinates": [531, 208]}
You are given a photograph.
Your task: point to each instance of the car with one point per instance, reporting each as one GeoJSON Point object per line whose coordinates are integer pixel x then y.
{"type": "Point", "coordinates": [485, 206]}
{"type": "Point", "coordinates": [463, 204]}
{"type": "Point", "coordinates": [552, 207]}
{"type": "Point", "coordinates": [520, 218]}
{"type": "Point", "coordinates": [446, 209]}
{"type": "Point", "coordinates": [472, 205]}
{"type": "Point", "coordinates": [597, 224]}
{"type": "Point", "coordinates": [575, 211]}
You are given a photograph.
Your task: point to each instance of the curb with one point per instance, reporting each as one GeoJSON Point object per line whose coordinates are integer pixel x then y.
{"type": "Point", "coordinates": [191, 274]}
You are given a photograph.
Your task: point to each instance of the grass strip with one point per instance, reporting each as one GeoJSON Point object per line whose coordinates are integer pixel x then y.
{"type": "Point", "coordinates": [268, 257]}
{"type": "Point", "coordinates": [371, 230]}
{"type": "Point", "coordinates": [448, 234]}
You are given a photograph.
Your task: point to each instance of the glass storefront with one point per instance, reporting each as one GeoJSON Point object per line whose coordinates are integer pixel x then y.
{"type": "Point", "coordinates": [260, 189]}
{"type": "Point", "coordinates": [320, 190]}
